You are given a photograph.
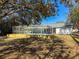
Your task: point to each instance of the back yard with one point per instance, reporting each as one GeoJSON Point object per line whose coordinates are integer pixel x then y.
{"type": "Point", "coordinates": [40, 47]}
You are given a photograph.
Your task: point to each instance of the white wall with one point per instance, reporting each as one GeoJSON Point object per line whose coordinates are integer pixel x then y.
{"type": "Point", "coordinates": [63, 30]}
{"type": "Point", "coordinates": [29, 29]}
{"type": "Point", "coordinates": [58, 30]}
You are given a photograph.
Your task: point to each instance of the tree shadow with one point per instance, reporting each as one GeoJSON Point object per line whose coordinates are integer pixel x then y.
{"type": "Point", "coordinates": [77, 55]}
{"type": "Point", "coordinates": [55, 48]}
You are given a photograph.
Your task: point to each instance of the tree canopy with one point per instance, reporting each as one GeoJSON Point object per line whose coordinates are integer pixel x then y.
{"type": "Point", "coordinates": [74, 12]}
{"type": "Point", "coordinates": [74, 17]}
{"type": "Point", "coordinates": [27, 12]}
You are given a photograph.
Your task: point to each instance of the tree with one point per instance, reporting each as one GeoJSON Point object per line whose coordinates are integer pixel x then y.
{"type": "Point", "coordinates": [74, 17]}
{"type": "Point", "coordinates": [74, 12]}
{"type": "Point", "coordinates": [27, 12]}
{"type": "Point", "coordinates": [30, 11]}
{"type": "Point", "coordinates": [24, 12]}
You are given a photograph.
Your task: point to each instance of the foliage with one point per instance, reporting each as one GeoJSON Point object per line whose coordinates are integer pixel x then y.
{"type": "Point", "coordinates": [27, 12]}
{"type": "Point", "coordinates": [70, 3]}
{"type": "Point", "coordinates": [24, 12]}
{"type": "Point", "coordinates": [74, 12]}
{"type": "Point", "coordinates": [74, 17]}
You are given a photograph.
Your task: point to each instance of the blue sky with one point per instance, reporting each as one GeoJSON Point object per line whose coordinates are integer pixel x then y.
{"type": "Point", "coordinates": [61, 16]}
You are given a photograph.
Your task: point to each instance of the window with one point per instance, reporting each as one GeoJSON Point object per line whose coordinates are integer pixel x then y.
{"type": "Point", "coordinates": [54, 30]}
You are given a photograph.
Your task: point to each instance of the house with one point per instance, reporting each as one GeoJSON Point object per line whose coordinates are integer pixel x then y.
{"type": "Point", "coordinates": [56, 28]}
{"type": "Point", "coordinates": [61, 28]}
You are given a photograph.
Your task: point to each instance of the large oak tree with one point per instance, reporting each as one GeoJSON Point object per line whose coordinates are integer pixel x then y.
{"type": "Point", "coordinates": [27, 12]}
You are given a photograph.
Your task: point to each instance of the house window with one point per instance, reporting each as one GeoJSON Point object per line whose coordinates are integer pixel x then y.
{"type": "Point", "coordinates": [54, 30]}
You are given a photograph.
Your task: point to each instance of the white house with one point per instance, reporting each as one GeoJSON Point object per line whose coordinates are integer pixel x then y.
{"type": "Point", "coordinates": [56, 28]}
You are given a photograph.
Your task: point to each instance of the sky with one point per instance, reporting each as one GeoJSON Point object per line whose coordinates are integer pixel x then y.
{"type": "Point", "coordinates": [62, 15]}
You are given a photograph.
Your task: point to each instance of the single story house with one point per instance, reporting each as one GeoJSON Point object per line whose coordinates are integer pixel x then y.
{"type": "Point", "coordinates": [56, 28]}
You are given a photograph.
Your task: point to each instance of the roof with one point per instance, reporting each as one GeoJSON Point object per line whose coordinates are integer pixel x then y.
{"type": "Point", "coordinates": [55, 25]}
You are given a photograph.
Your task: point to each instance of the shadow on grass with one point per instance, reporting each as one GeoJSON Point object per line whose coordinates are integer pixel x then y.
{"type": "Point", "coordinates": [39, 47]}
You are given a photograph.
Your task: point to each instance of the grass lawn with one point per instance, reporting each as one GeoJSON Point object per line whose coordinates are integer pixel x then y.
{"type": "Point", "coordinates": [68, 40]}
{"type": "Point", "coordinates": [44, 43]}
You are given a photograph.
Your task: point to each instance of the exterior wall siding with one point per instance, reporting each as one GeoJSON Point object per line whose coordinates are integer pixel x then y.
{"type": "Point", "coordinates": [41, 30]}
